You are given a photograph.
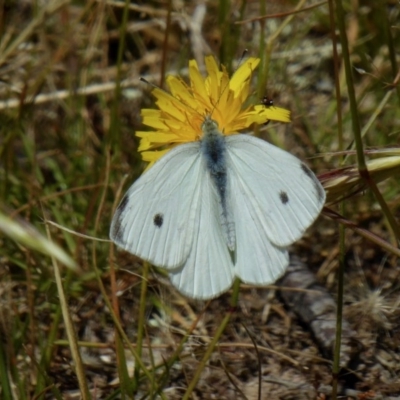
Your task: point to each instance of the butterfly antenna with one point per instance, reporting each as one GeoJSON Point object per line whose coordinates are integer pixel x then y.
{"type": "Point", "coordinates": [149, 83]}
{"type": "Point", "coordinates": [242, 57]}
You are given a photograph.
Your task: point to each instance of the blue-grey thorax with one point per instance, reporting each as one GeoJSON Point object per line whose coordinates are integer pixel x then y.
{"type": "Point", "coordinates": [213, 149]}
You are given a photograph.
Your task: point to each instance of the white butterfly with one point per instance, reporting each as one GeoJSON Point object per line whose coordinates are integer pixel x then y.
{"type": "Point", "coordinates": [220, 208]}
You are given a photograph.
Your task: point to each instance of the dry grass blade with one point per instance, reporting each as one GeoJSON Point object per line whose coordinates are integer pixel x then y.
{"type": "Point", "coordinates": [71, 333]}
{"type": "Point", "coordinates": [26, 235]}
{"type": "Point", "coordinates": [347, 181]}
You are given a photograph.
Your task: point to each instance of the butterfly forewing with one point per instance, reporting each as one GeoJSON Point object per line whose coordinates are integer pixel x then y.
{"type": "Point", "coordinates": [156, 218]}
{"type": "Point", "coordinates": [281, 192]}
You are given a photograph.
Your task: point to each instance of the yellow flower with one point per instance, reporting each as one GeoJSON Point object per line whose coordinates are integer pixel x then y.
{"type": "Point", "coordinates": [181, 113]}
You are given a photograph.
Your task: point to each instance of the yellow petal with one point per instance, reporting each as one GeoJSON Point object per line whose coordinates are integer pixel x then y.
{"type": "Point", "coordinates": [243, 73]}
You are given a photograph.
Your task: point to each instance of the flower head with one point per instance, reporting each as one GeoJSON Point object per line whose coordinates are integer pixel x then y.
{"type": "Point", "coordinates": [346, 181]}
{"type": "Point", "coordinates": [180, 115]}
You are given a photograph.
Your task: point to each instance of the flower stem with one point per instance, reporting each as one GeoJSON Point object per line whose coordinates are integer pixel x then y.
{"type": "Point", "coordinates": [218, 334]}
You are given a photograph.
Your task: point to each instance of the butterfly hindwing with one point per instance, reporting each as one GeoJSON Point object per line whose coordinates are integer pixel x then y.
{"type": "Point", "coordinates": [281, 193]}
{"type": "Point", "coordinates": [258, 260]}
{"type": "Point", "coordinates": [156, 218]}
{"type": "Point", "coordinates": [209, 269]}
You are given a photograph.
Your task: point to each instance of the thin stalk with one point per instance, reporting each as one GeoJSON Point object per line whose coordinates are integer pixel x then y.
{"type": "Point", "coordinates": [265, 58]}
{"type": "Point", "coordinates": [263, 54]}
{"type": "Point", "coordinates": [127, 389]}
{"type": "Point", "coordinates": [390, 43]}
{"type": "Point", "coordinates": [142, 317]}
{"type": "Point", "coordinates": [70, 330]}
{"type": "Point", "coordinates": [212, 345]}
{"type": "Point", "coordinates": [115, 121]}
{"type": "Point", "coordinates": [224, 12]}
{"type": "Point", "coordinates": [362, 167]}
{"type": "Point", "coordinates": [342, 229]}
{"type": "Point", "coordinates": [118, 325]}
{"type": "Point", "coordinates": [339, 312]}
{"type": "Point", "coordinates": [165, 44]}
{"type": "Point", "coordinates": [4, 367]}
{"type": "Point", "coordinates": [175, 356]}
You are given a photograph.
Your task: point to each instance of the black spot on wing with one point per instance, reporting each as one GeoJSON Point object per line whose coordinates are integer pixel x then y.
{"type": "Point", "coordinates": [284, 197]}
{"type": "Point", "coordinates": [158, 220]}
{"type": "Point", "coordinates": [317, 186]}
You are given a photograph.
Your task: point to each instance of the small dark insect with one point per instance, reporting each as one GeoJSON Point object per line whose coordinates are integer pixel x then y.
{"type": "Point", "coordinates": [158, 220]}
{"type": "Point", "coordinates": [267, 102]}
{"type": "Point", "coordinates": [284, 197]}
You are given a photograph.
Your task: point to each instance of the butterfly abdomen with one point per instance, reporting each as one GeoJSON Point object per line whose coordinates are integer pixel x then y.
{"type": "Point", "coordinates": [213, 148]}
